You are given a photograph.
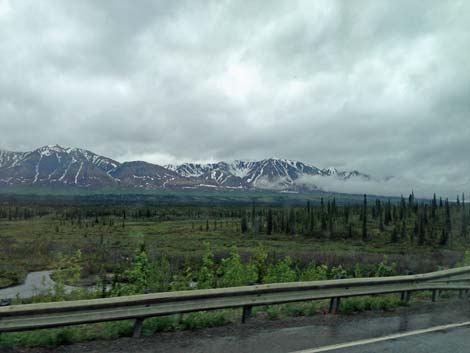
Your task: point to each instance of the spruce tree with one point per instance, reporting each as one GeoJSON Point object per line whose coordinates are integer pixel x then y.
{"type": "Point", "coordinates": [444, 238]}
{"type": "Point", "coordinates": [448, 223]}
{"type": "Point", "coordinates": [403, 230]}
{"type": "Point", "coordinates": [394, 235]}
{"type": "Point", "coordinates": [422, 232]}
{"type": "Point", "coordinates": [292, 221]}
{"type": "Point", "coordinates": [388, 213]}
{"type": "Point", "coordinates": [244, 225]}
{"type": "Point", "coordinates": [381, 221]}
{"type": "Point", "coordinates": [464, 218]}
{"type": "Point", "coordinates": [269, 225]}
{"type": "Point", "coordinates": [364, 220]}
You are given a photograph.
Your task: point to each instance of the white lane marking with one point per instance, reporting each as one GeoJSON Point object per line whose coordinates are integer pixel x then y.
{"type": "Point", "coordinates": [382, 339]}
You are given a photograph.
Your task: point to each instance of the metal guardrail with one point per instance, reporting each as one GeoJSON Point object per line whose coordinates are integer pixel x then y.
{"type": "Point", "coordinates": [138, 307]}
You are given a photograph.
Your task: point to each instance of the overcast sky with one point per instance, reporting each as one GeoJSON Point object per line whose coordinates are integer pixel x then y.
{"type": "Point", "coordinates": [378, 86]}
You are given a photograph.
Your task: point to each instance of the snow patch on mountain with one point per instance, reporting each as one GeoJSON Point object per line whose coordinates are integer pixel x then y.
{"type": "Point", "coordinates": [53, 164]}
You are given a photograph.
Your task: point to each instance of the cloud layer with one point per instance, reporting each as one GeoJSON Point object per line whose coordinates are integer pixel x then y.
{"type": "Point", "coordinates": [378, 86]}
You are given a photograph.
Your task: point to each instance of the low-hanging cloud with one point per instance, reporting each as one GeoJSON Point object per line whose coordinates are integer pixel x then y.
{"type": "Point", "coordinates": [394, 186]}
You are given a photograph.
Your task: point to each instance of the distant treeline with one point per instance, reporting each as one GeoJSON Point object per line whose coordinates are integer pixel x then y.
{"type": "Point", "coordinates": [437, 222]}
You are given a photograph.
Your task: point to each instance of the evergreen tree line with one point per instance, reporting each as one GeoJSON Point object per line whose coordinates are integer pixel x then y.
{"type": "Point", "coordinates": [438, 222]}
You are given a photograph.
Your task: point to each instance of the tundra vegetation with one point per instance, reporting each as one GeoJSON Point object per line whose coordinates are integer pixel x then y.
{"type": "Point", "coordinates": [132, 249]}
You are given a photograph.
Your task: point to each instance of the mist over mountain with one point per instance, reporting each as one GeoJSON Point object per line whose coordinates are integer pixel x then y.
{"type": "Point", "coordinates": [66, 166]}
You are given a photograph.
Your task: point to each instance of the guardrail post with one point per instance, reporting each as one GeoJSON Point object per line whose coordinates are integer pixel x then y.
{"type": "Point", "coordinates": [405, 296]}
{"type": "Point", "coordinates": [434, 295]}
{"type": "Point", "coordinates": [138, 324]}
{"type": "Point", "coordinates": [246, 313]}
{"type": "Point", "coordinates": [337, 304]}
{"type": "Point", "coordinates": [334, 305]}
{"type": "Point", "coordinates": [460, 294]}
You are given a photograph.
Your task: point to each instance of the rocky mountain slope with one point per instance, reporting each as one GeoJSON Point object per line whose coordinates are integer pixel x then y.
{"type": "Point", "coordinates": [56, 165]}
{"type": "Point", "coordinates": [272, 173]}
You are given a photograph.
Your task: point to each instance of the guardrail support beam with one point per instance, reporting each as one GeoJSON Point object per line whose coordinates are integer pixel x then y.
{"type": "Point", "coordinates": [247, 311]}
{"type": "Point", "coordinates": [337, 305]}
{"type": "Point", "coordinates": [138, 325]}
{"type": "Point", "coordinates": [434, 295]}
{"type": "Point", "coordinates": [405, 296]}
{"type": "Point", "coordinates": [334, 305]}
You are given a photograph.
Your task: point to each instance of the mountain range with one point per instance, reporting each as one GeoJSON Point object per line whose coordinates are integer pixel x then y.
{"type": "Point", "coordinates": [56, 165]}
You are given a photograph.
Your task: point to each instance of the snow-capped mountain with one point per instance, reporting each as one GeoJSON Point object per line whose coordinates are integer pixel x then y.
{"type": "Point", "coordinates": [7, 158]}
{"type": "Point", "coordinates": [272, 173]}
{"type": "Point", "coordinates": [56, 165]}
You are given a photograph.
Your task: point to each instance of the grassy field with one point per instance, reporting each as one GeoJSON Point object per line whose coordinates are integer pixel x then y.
{"type": "Point", "coordinates": [33, 244]}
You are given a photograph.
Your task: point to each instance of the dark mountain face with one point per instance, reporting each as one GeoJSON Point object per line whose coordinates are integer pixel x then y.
{"type": "Point", "coordinates": [143, 174]}
{"type": "Point", "coordinates": [55, 165]}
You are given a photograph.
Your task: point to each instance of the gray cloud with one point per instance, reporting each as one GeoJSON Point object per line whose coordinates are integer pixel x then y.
{"type": "Point", "coordinates": [378, 86]}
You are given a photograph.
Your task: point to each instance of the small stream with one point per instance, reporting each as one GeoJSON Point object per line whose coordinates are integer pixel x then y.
{"type": "Point", "coordinates": [35, 283]}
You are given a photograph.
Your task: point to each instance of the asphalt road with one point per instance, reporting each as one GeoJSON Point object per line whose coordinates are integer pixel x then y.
{"type": "Point", "coordinates": [297, 334]}
{"type": "Point", "coordinates": [453, 340]}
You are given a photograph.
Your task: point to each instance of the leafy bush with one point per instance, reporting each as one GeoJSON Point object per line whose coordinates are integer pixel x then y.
{"type": "Point", "coordinates": [273, 312]}
{"type": "Point", "coordinates": [259, 259]}
{"type": "Point", "coordinates": [234, 273]}
{"type": "Point", "coordinates": [338, 272]}
{"type": "Point", "coordinates": [384, 269]}
{"type": "Point", "coordinates": [314, 273]}
{"type": "Point", "coordinates": [206, 274]}
{"type": "Point", "coordinates": [360, 304]}
{"type": "Point", "coordinates": [281, 272]}
{"type": "Point", "coordinates": [205, 319]}
{"type": "Point", "coordinates": [68, 271]}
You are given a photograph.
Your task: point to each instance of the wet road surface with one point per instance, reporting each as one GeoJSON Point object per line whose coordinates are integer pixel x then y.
{"type": "Point", "coordinates": [453, 340]}
{"type": "Point", "coordinates": [296, 334]}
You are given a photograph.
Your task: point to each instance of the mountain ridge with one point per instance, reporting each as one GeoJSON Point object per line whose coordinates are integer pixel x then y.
{"type": "Point", "coordinates": [56, 165]}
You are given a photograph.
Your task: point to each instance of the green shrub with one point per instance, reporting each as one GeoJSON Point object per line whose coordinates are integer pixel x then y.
{"type": "Point", "coordinates": [360, 304]}
{"type": "Point", "coordinates": [204, 319]}
{"type": "Point", "coordinates": [384, 269]}
{"type": "Point", "coordinates": [281, 272]}
{"type": "Point", "coordinates": [162, 324]}
{"type": "Point", "coordinates": [206, 274]}
{"type": "Point", "coordinates": [314, 273]}
{"type": "Point", "coordinates": [273, 312]}
{"type": "Point", "coordinates": [234, 273]}
{"type": "Point", "coordinates": [301, 309]}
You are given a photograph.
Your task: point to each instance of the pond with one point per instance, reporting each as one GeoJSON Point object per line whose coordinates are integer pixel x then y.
{"type": "Point", "coordinates": [35, 283]}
